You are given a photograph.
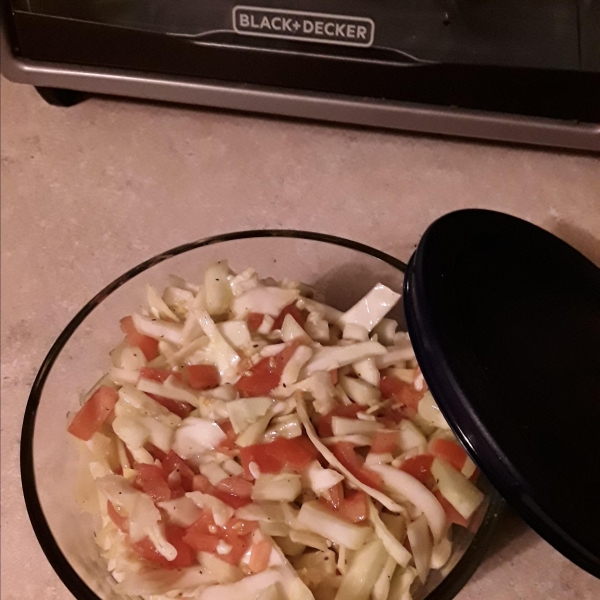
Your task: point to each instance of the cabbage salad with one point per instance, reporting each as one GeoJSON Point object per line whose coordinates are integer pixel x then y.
{"type": "Point", "coordinates": [250, 442]}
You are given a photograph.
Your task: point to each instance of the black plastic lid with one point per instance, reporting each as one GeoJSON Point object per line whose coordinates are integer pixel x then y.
{"type": "Point", "coordinates": [505, 321]}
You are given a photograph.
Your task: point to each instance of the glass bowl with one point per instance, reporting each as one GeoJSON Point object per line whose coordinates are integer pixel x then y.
{"type": "Point", "coordinates": [340, 269]}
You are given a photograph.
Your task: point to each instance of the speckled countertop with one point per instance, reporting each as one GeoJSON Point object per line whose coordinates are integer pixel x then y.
{"type": "Point", "coordinates": [90, 191]}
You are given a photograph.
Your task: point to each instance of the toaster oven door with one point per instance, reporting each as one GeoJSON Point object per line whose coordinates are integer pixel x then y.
{"type": "Point", "coordinates": [463, 67]}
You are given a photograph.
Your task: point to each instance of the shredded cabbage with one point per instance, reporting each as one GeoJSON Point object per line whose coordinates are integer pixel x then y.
{"type": "Point", "coordinates": [183, 460]}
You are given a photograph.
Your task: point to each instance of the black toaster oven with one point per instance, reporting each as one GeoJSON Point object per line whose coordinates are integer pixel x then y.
{"type": "Point", "coordinates": [523, 71]}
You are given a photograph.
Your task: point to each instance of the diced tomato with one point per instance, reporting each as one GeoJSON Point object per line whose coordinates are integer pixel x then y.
{"type": "Point", "coordinates": [291, 310]}
{"type": "Point", "coordinates": [345, 453]}
{"type": "Point", "coordinates": [349, 412]}
{"type": "Point", "coordinates": [259, 556]}
{"type": "Point", "coordinates": [384, 442]}
{"type": "Point", "coordinates": [148, 345]}
{"type": "Point", "coordinates": [228, 444]}
{"type": "Point", "coordinates": [146, 550]}
{"type": "Point", "coordinates": [333, 496]}
{"type": "Point", "coordinates": [297, 453]}
{"type": "Point", "coordinates": [260, 381]}
{"type": "Point", "coordinates": [119, 520]}
{"type": "Point", "coordinates": [202, 534]}
{"type": "Point", "coordinates": [158, 374]}
{"type": "Point", "coordinates": [202, 377]}
{"type": "Point", "coordinates": [259, 454]}
{"type": "Point", "coordinates": [236, 486]}
{"type": "Point", "coordinates": [266, 374]}
{"type": "Point", "coordinates": [177, 407]}
{"type": "Point", "coordinates": [174, 463]}
{"type": "Point", "coordinates": [201, 484]}
{"type": "Point", "coordinates": [231, 500]}
{"type": "Point", "coordinates": [255, 321]}
{"type": "Point", "coordinates": [452, 515]}
{"type": "Point", "coordinates": [353, 508]}
{"type": "Point", "coordinates": [239, 547]}
{"type": "Point", "coordinates": [202, 542]}
{"type": "Point", "coordinates": [450, 451]}
{"type": "Point", "coordinates": [93, 413]}
{"type": "Point", "coordinates": [402, 392]}
{"type": "Point", "coordinates": [152, 480]}
{"type": "Point", "coordinates": [186, 555]}
{"type": "Point", "coordinates": [420, 468]}
{"type": "Point", "coordinates": [156, 453]}
{"type": "Point", "coordinates": [241, 527]}
{"type": "Point", "coordinates": [175, 536]}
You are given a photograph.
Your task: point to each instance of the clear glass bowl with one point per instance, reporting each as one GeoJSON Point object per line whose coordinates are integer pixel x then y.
{"type": "Point", "coordinates": [341, 269]}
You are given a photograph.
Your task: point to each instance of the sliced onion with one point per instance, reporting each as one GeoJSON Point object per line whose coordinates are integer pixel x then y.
{"type": "Point", "coordinates": [397, 551]}
{"type": "Point", "coordinates": [333, 461]}
{"type": "Point", "coordinates": [414, 491]}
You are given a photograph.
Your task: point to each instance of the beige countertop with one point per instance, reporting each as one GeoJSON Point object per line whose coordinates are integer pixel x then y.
{"type": "Point", "coordinates": [90, 191]}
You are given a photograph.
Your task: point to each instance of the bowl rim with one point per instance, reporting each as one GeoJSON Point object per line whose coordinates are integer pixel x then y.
{"type": "Point", "coordinates": [445, 590]}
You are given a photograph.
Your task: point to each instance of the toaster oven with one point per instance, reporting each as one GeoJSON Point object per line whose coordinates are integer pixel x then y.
{"type": "Point", "coordinates": [525, 71]}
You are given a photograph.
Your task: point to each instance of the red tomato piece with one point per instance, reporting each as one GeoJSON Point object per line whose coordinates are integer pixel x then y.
{"type": "Point", "coordinates": [236, 486]}
{"type": "Point", "coordinates": [452, 515]}
{"type": "Point", "coordinates": [228, 444]}
{"type": "Point", "coordinates": [230, 499]}
{"type": "Point", "coordinates": [175, 536]}
{"type": "Point", "coordinates": [420, 468]}
{"type": "Point", "coordinates": [291, 310]}
{"type": "Point", "coordinates": [255, 321]}
{"type": "Point", "coordinates": [348, 412]}
{"type": "Point", "coordinates": [148, 345]}
{"type": "Point", "coordinates": [451, 452]}
{"type": "Point", "coordinates": [202, 542]}
{"type": "Point", "coordinates": [334, 495]}
{"type": "Point", "coordinates": [178, 407]}
{"type": "Point", "coordinates": [153, 481]}
{"type": "Point", "coordinates": [259, 454]}
{"type": "Point", "coordinates": [202, 534]}
{"type": "Point", "coordinates": [260, 381]}
{"type": "Point", "coordinates": [145, 549]}
{"type": "Point", "coordinates": [201, 484]}
{"type": "Point", "coordinates": [186, 555]}
{"type": "Point", "coordinates": [93, 413]}
{"type": "Point", "coordinates": [297, 453]}
{"type": "Point", "coordinates": [402, 392]}
{"type": "Point", "coordinates": [266, 374]}
{"type": "Point", "coordinates": [174, 463]}
{"type": "Point", "coordinates": [385, 442]}
{"type": "Point", "coordinates": [344, 452]}
{"type": "Point", "coordinates": [239, 547]}
{"type": "Point", "coordinates": [259, 556]}
{"type": "Point", "coordinates": [353, 508]}
{"type": "Point", "coordinates": [238, 527]}
{"type": "Point", "coordinates": [119, 520]}
{"type": "Point", "coordinates": [202, 377]}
